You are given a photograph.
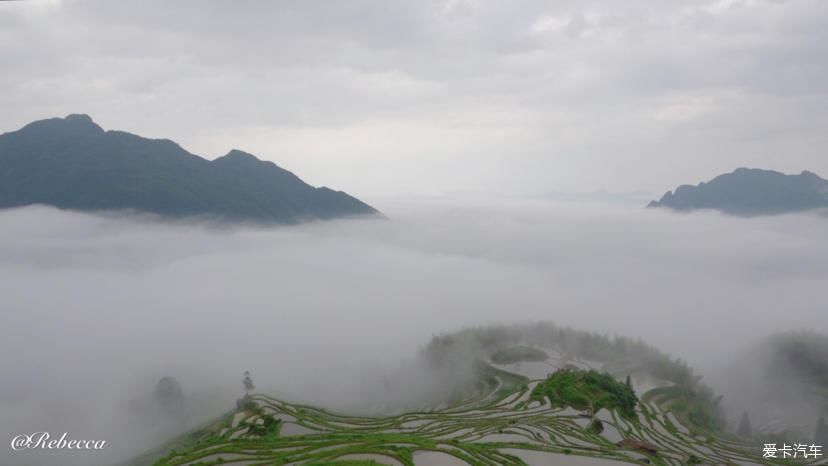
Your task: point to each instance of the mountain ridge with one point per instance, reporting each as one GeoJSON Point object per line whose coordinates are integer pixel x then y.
{"type": "Point", "coordinates": [750, 192]}
{"type": "Point", "coordinates": [73, 163]}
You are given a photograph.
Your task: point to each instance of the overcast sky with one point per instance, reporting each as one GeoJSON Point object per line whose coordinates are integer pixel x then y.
{"type": "Point", "coordinates": [428, 97]}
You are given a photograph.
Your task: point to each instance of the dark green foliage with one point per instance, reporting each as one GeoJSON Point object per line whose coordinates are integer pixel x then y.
{"type": "Point", "coordinates": [270, 426]}
{"type": "Point", "coordinates": [250, 405]}
{"type": "Point", "coordinates": [821, 433]}
{"type": "Point", "coordinates": [270, 422]}
{"type": "Point", "coordinates": [668, 424]}
{"type": "Point", "coordinates": [168, 391]}
{"type": "Point", "coordinates": [695, 405]}
{"type": "Point", "coordinates": [744, 426]}
{"type": "Point", "coordinates": [751, 192]}
{"type": "Point", "coordinates": [514, 354]}
{"type": "Point", "coordinates": [585, 345]}
{"type": "Point", "coordinates": [348, 463]}
{"type": "Point", "coordinates": [247, 383]}
{"type": "Point", "coordinates": [339, 437]}
{"type": "Point", "coordinates": [596, 426]}
{"type": "Point", "coordinates": [587, 390]}
{"type": "Point", "coordinates": [786, 370]}
{"type": "Point", "coordinates": [801, 356]}
{"type": "Point", "coordinates": [491, 405]}
{"type": "Point", "coordinates": [72, 163]}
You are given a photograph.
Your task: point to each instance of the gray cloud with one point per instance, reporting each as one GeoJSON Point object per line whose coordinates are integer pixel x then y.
{"type": "Point", "coordinates": [97, 309]}
{"type": "Point", "coordinates": [436, 96]}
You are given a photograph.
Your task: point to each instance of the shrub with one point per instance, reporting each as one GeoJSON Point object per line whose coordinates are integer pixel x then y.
{"type": "Point", "coordinates": [587, 390]}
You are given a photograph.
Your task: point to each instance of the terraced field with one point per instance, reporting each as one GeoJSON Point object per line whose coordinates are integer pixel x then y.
{"type": "Point", "coordinates": [495, 424]}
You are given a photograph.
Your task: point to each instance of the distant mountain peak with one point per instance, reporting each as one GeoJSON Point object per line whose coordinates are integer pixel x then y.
{"type": "Point", "coordinates": [240, 155]}
{"type": "Point", "coordinates": [73, 124]}
{"type": "Point", "coordinates": [81, 121]}
{"type": "Point", "coordinates": [80, 118]}
{"type": "Point", "coordinates": [749, 192]}
{"type": "Point", "coordinates": [72, 163]}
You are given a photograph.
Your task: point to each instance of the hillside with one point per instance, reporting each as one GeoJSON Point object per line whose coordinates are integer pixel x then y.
{"type": "Point", "coordinates": [781, 382]}
{"type": "Point", "coordinates": [593, 400]}
{"type": "Point", "coordinates": [751, 192]}
{"type": "Point", "coordinates": [72, 163]}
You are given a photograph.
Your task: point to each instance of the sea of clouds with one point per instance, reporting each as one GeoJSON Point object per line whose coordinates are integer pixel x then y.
{"type": "Point", "coordinates": [97, 308]}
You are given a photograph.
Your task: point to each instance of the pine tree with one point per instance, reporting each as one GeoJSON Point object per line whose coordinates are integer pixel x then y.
{"type": "Point", "coordinates": [744, 426]}
{"type": "Point", "coordinates": [629, 382]}
{"type": "Point", "coordinates": [248, 383]}
{"type": "Point", "coordinates": [821, 433]}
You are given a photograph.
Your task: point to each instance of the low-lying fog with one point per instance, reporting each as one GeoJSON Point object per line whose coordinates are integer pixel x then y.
{"type": "Point", "coordinates": [95, 310]}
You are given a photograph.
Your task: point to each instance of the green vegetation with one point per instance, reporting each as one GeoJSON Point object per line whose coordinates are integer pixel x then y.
{"type": "Point", "coordinates": [496, 423]}
{"type": "Point", "coordinates": [347, 463]}
{"type": "Point", "coordinates": [697, 406]}
{"type": "Point", "coordinates": [634, 355]}
{"type": "Point", "coordinates": [800, 357]}
{"type": "Point", "coordinates": [587, 390]}
{"type": "Point", "coordinates": [515, 354]}
{"type": "Point", "coordinates": [692, 401]}
{"type": "Point", "coordinates": [269, 426]}
{"type": "Point", "coordinates": [500, 418]}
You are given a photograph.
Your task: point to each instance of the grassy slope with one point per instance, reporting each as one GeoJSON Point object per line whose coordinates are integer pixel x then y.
{"type": "Point", "coordinates": [496, 421]}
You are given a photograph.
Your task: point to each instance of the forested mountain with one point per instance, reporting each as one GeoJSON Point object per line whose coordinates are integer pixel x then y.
{"type": "Point", "coordinates": [72, 163]}
{"type": "Point", "coordinates": [751, 192]}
